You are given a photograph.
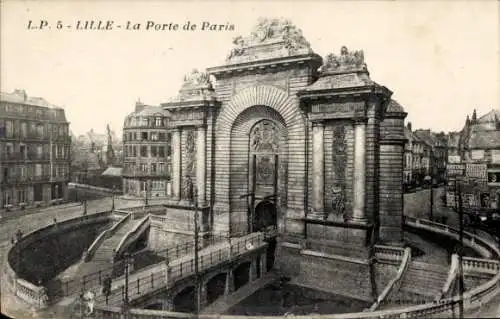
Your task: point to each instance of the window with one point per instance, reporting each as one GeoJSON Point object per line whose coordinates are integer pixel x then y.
{"type": "Point", "coordinates": [39, 151]}
{"type": "Point", "coordinates": [24, 129]}
{"type": "Point", "coordinates": [477, 154]}
{"type": "Point", "coordinates": [495, 156]}
{"type": "Point", "coordinates": [145, 122]}
{"type": "Point", "coordinates": [40, 130]}
{"type": "Point", "coordinates": [22, 151]}
{"type": "Point", "coordinates": [154, 136]}
{"type": "Point", "coordinates": [144, 151]}
{"type": "Point", "coordinates": [38, 170]}
{"type": "Point", "coordinates": [144, 167]}
{"type": "Point", "coordinates": [161, 167]}
{"type": "Point", "coordinates": [60, 151]}
{"type": "Point", "coordinates": [21, 196]}
{"type": "Point", "coordinates": [154, 152]}
{"type": "Point", "coordinates": [9, 149]}
{"type": "Point", "coordinates": [153, 168]}
{"type": "Point", "coordinates": [161, 136]}
{"type": "Point", "coordinates": [144, 136]}
{"type": "Point", "coordinates": [161, 151]}
{"type": "Point", "coordinates": [158, 121]}
{"type": "Point", "coordinates": [134, 151]}
{"type": "Point", "coordinates": [9, 128]}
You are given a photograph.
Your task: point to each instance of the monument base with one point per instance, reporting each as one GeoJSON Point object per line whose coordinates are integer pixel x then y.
{"type": "Point", "coordinates": [334, 257]}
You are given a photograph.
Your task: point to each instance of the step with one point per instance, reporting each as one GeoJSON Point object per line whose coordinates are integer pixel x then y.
{"type": "Point", "coordinates": [428, 266]}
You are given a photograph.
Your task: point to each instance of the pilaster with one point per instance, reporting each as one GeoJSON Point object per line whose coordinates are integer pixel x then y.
{"type": "Point", "coordinates": [201, 165]}
{"type": "Point", "coordinates": [359, 193]}
{"type": "Point", "coordinates": [318, 170]}
{"type": "Point", "coordinates": [176, 164]}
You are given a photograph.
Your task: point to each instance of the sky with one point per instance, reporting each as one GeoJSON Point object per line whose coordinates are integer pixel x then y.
{"type": "Point", "coordinates": [440, 58]}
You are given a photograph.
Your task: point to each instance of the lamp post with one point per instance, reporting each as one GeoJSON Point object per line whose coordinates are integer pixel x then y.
{"type": "Point", "coordinates": [146, 193]}
{"type": "Point", "coordinates": [128, 261]}
{"type": "Point", "coordinates": [196, 238]}
{"type": "Point", "coordinates": [113, 198]}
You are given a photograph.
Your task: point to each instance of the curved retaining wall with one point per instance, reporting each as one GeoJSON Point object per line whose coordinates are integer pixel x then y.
{"type": "Point", "coordinates": [473, 299]}
{"type": "Point", "coordinates": [31, 293]}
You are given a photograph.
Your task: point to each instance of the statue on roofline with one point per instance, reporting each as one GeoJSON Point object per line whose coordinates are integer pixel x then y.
{"type": "Point", "coordinates": [345, 61]}
{"type": "Point", "coordinates": [281, 30]}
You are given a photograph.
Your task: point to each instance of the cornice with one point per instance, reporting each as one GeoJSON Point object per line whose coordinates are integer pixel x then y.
{"type": "Point", "coordinates": [310, 58]}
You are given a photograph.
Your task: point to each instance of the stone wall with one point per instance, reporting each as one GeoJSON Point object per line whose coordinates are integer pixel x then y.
{"type": "Point", "coordinates": [57, 251]}
{"type": "Point", "coordinates": [240, 92]}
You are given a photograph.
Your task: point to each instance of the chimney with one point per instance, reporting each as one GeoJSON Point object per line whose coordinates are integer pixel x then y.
{"type": "Point", "coordinates": [474, 117]}
{"type": "Point", "coordinates": [409, 125]}
{"type": "Point", "coordinates": [21, 93]}
{"type": "Point", "coordinates": [139, 106]}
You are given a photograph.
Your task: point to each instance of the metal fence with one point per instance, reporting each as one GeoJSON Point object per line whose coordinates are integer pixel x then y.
{"type": "Point", "coordinates": [140, 260]}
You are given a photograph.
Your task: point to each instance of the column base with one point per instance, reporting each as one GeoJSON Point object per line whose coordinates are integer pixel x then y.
{"type": "Point", "coordinates": [317, 215]}
{"type": "Point", "coordinates": [358, 220]}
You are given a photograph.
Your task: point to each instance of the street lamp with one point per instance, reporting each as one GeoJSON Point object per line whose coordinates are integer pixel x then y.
{"type": "Point", "coordinates": [113, 198]}
{"type": "Point", "coordinates": [196, 236]}
{"type": "Point", "coordinates": [146, 193]}
{"type": "Point", "coordinates": [128, 260]}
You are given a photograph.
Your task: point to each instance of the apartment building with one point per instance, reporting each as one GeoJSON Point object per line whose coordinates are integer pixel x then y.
{"type": "Point", "coordinates": [35, 151]}
{"type": "Point", "coordinates": [146, 152]}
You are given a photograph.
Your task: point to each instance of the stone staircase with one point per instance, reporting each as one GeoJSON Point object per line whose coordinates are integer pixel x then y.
{"type": "Point", "coordinates": [105, 250]}
{"type": "Point", "coordinates": [422, 282]}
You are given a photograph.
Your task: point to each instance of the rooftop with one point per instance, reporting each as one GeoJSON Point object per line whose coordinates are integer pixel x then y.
{"type": "Point", "coordinates": [21, 97]}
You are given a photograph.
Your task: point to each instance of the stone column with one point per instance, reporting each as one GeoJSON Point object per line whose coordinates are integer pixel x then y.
{"type": "Point", "coordinates": [263, 264]}
{"type": "Point", "coordinates": [318, 169]}
{"type": "Point", "coordinates": [359, 189]}
{"type": "Point", "coordinates": [229, 283]}
{"type": "Point", "coordinates": [200, 164]}
{"type": "Point", "coordinates": [176, 164]}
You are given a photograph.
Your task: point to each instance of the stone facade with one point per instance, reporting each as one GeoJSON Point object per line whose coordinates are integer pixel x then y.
{"type": "Point", "coordinates": [34, 152]}
{"type": "Point", "coordinates": [146, 147]}
{"type": "Point", "coordinates": [316, 137]}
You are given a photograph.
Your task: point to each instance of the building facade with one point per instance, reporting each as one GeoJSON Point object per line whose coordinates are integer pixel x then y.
{"type": "Point", "coordinates": [479, 155]}
{"type": "Point", "coordinates": [35, 151]}
{"type": "Point", "coordinates": [278, 138]}
{"type": "Point", "coordinates": [146, 152]}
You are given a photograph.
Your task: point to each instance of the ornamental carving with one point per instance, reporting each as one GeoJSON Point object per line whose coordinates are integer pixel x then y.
{"type": "Point", "coordinates": [338, 200]}
{"type": "Point", "coordinates": [265, 170]}
{"type": "Point", "coordinates": [187, 188]}
{"type": "Point", "coordinates": [281, 31]}
{"type": "Point", "coordinates": [196, 86]}
{"type": "Point", "coordinates": [264, 137]}
{"type": "Point", "coordinates": [346, 61]}
{"type": "Point", "coordinates": [190, 152]}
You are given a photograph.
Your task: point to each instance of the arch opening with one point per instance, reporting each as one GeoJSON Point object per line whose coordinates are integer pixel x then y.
{"type": "Point", "coordinates": [185, 300]}
{"type": "Point", "coordinates": [241, 275]}
{"type": "Point", "coordinates": [216, 287]}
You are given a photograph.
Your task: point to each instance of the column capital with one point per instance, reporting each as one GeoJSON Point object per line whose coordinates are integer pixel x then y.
{"type": "Point", "coordinates": [360, 120]}
{"type": "Point", "coordinates": [318, 124]}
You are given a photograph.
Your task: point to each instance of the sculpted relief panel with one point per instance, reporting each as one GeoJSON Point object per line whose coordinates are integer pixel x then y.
{"type": "Point", "coordinates": [337, 186]}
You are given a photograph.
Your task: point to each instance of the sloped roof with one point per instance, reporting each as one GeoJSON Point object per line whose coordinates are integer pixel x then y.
{"type": "Point", "coordinates": [20, 96]}
{"type": "Point", "coordinates": [113, 171]}
{"type": "Point", "coordinates": [394, 106]}
{"type": "Point", "coordinates": [453, 139]}
{"type": "Point", "coordinates": [484, 139]}
{"type": "Point", "coordinates": [490, 117]}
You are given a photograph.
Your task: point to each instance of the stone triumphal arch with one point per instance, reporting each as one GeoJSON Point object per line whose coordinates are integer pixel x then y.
{"type": "Point", "coordinates": [280, 138]}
